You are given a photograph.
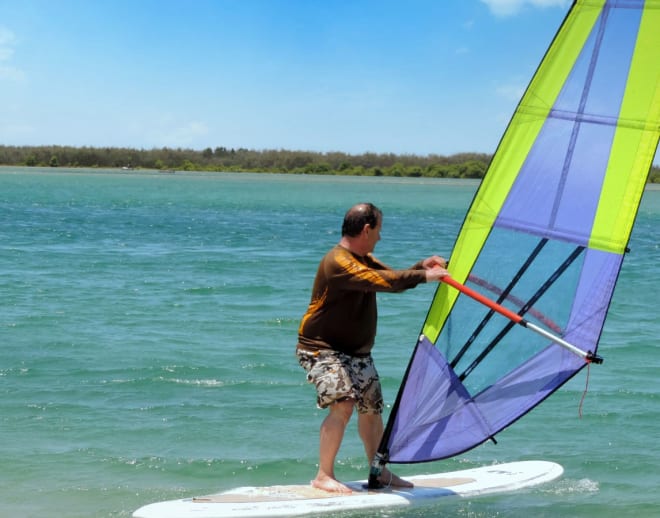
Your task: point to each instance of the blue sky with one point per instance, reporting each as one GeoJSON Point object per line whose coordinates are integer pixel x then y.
{"type": "Point", "coordinates": [416, 76]}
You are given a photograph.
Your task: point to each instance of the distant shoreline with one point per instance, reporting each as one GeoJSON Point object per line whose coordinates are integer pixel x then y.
{"type": "Point", "coordinates": [462, 165]}
{"type": "Point", "coordinates": [191, 174]}
{"type": "Point", "coordinates": [183, 174]}
{"type": "Point", "coordinates": [241, 160]}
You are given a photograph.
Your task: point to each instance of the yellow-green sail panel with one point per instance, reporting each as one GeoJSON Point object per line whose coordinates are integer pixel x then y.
{"type": "Point", "coordinates": [635, 141]}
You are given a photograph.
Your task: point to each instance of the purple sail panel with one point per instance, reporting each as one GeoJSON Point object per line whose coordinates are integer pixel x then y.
{"type": "Point", "coordinates": [525, 387]}
{"type": "Point", "coordinates": [443, 422]}
{"type": "Point", "coordinates": [448, 421]}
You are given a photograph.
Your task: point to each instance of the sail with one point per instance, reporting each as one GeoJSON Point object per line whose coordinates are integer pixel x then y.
{"type": "Point", "coordinates": [544, 237]}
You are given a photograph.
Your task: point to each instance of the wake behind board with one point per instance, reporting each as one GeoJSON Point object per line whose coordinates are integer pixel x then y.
{"type": "Point", "coordinates": [298, 500]}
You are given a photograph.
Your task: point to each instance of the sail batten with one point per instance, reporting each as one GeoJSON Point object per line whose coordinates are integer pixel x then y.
{"type": "Point", "coordinates": [603, 120]}
{"type": "Point", "coordinates": [545, 234]}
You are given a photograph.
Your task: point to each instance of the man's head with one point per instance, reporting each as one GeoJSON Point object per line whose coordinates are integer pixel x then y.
{"type": "Point", "coordinates": [358, 216]}
{"type": "Point", "coordinates": [361, 228]}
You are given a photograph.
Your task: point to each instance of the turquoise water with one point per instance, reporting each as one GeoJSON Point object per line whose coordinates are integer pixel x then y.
{"type": "Point", "coordinates": [147, 331]}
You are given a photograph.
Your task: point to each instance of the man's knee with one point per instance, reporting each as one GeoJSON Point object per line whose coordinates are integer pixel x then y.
{"type": "Point", "coordinates": [343, 408]}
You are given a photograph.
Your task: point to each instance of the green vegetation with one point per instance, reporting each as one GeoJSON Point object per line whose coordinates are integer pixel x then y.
{"type": "Point", "coordinates": [654, 175]}
{"type": "Point", "coordinates": [466, 165]}
{"type": "Point", "coordinates": [462, 165]}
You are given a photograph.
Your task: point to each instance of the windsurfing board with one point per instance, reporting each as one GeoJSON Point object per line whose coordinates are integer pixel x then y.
{"type": "Point", "coordinates": [299, 500]}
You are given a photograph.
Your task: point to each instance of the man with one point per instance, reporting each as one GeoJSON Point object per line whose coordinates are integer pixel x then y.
{"type": "Point", "coordinates": [337, 333]}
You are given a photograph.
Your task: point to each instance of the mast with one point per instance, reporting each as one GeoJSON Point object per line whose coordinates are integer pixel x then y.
{"type": "Point", "coordinates": [382, 455]}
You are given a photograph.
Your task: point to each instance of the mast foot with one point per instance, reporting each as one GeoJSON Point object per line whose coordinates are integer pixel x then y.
{"type": "Point", "coordinates": [375, 472]}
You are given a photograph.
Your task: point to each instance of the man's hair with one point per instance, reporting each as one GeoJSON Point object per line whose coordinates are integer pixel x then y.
{"type": "Point", "coordinates": [358, 216]}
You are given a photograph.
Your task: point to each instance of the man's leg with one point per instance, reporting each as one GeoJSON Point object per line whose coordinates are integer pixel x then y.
{"type": "Point", "coordinates": [370, 428]}
{"type": "Point", "coordinates": [331, 435]}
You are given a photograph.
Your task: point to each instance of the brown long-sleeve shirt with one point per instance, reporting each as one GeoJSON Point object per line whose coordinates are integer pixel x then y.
{"type": "Point", "coordinates": [342, 314]}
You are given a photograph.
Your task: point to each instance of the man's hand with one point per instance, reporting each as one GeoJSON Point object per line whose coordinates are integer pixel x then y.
{"type": "Point", "coordinates": [433, 262]}
{"type": "Point", "coordinates": [435, 273]}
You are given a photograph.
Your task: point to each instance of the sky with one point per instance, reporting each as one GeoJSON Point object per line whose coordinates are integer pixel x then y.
{"type": "Point", "coordinates": [384, 76]}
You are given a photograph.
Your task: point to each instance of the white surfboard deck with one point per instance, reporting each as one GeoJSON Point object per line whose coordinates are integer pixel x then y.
{"type": "Point", "coordinates": [299, 500]}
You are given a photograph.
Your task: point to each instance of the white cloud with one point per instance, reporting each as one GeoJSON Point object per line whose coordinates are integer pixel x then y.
{"type": "Point", "coordinates": [6, 53]}
{"type": "Point", "coordinates": [513, 7]}
{"type": "Point", "coordinates": [11, 73]}
{"type": "Point", "coordinates": [7, 70]}
{"type": "Point", "coordinates": [7, 41]}
{"type": "Point", "coordinates": [6, 36]}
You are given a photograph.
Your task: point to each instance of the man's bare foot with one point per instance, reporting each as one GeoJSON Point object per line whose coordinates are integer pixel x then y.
{"type": "Point", "coordinates": [389, 479]}
{"type": "Point", "coordinates": [330, 484]}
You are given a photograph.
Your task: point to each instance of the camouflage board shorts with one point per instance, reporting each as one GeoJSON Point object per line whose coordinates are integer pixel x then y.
{"type": "Point", "coordinates": [338, 376]}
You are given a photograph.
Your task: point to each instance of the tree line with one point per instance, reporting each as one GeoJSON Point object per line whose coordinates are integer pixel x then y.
{"type": "Point", "coordinates": [461, 165]}
{"type": "Point", "coordinates": [464, 165]}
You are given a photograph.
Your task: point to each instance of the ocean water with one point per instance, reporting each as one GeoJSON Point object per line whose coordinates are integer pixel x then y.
{"type": "Point", "coordinates": [147, 329]}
